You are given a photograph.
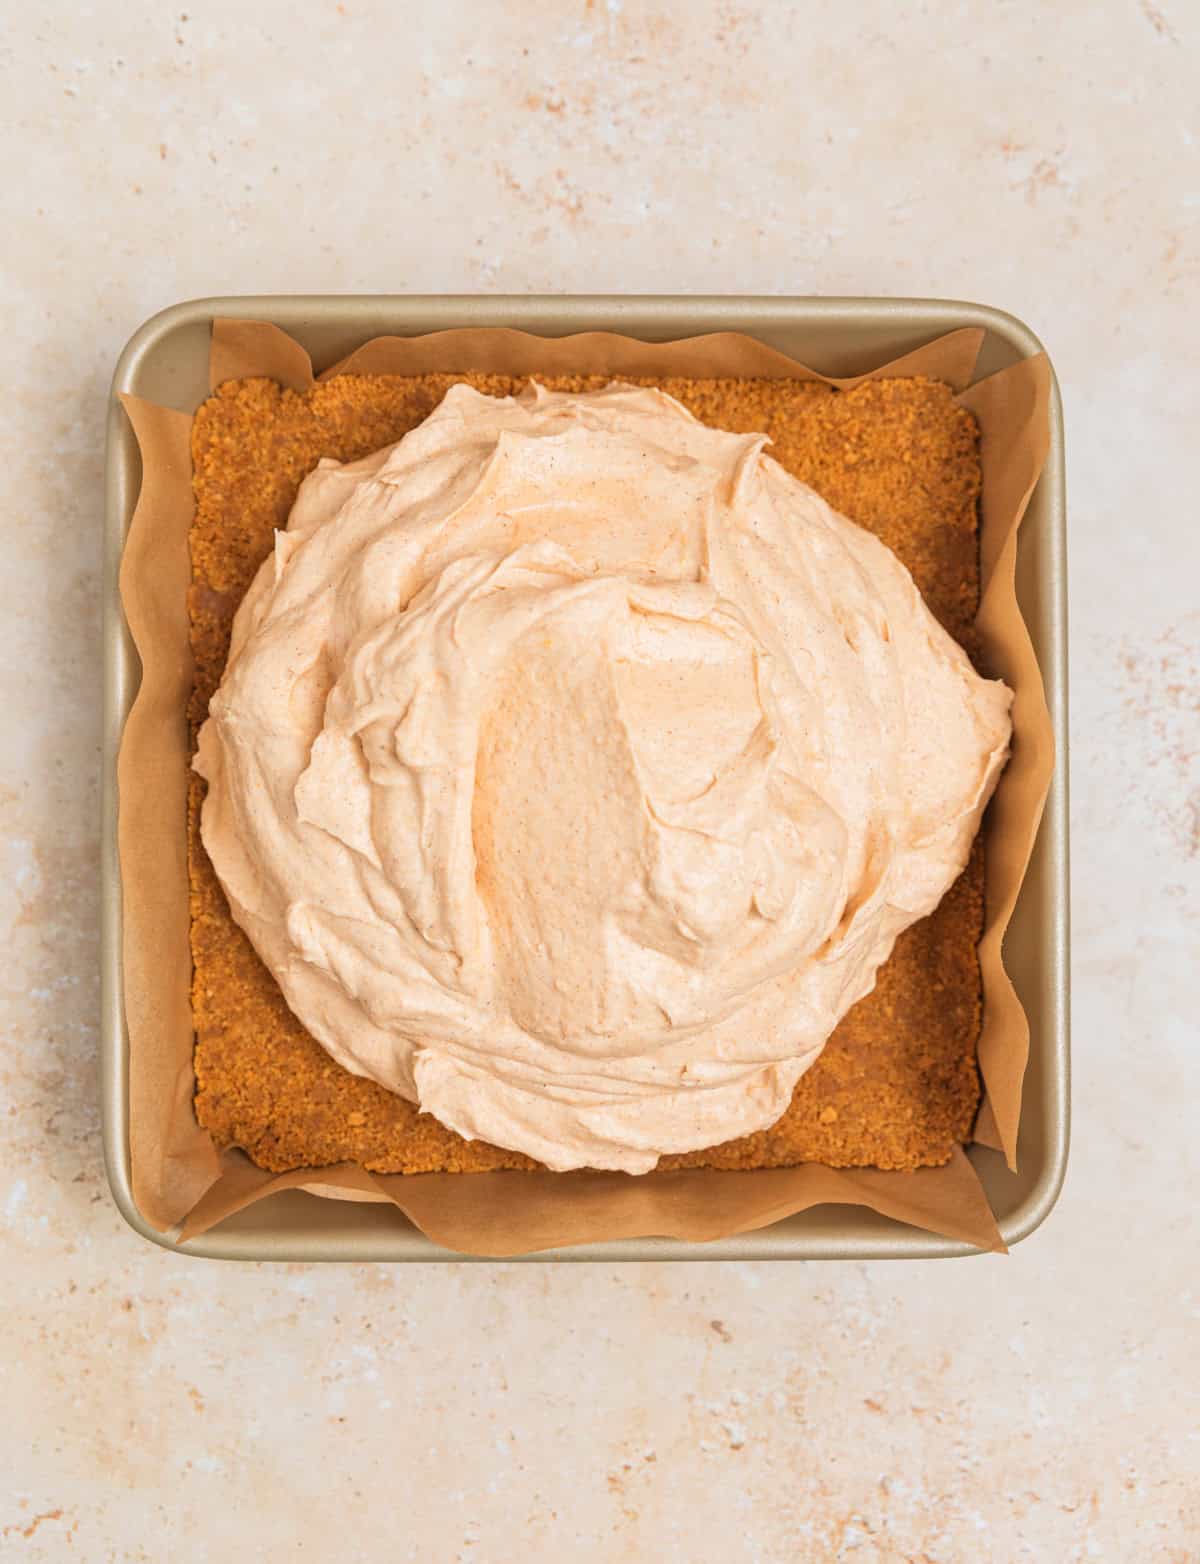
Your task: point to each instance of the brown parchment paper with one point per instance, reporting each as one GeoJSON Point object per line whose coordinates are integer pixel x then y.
{"type": "Point", "coordinates": [179, 1177]}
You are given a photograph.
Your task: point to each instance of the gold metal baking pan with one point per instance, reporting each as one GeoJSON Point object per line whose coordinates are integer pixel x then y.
{"type": "Point", "coordinates": [166, 361]}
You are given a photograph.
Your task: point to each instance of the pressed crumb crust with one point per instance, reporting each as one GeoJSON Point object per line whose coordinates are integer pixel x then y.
{"type": "Point", "coordinates": [897, 1084]}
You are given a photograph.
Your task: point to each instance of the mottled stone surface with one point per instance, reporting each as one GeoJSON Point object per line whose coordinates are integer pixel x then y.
{"type": "Point", "coordinates": [1042, 1407]}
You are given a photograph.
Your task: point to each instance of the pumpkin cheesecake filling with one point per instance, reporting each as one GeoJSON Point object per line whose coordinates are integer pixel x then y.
{"type": "Point", "coordinates": [575, 768]}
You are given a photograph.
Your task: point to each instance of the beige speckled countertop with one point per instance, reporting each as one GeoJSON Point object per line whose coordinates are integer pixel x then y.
{"type": "Point", "coordinates": [1038, 1407]}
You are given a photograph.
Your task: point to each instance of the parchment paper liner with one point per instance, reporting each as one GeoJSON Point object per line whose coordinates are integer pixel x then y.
{"type": "Point", "coordinates": [179, 1177]}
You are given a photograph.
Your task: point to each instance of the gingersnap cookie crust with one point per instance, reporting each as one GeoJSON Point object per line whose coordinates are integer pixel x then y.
{"type": "Point", "coordinates": [897, 1084]}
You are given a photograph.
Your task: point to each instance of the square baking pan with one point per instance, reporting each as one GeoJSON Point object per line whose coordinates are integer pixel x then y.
{"type": "Point", "coordinates": [166, 361]}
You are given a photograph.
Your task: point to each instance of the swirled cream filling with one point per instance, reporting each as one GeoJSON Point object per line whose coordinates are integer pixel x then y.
{"type": "Point", "coordinates": [575, 768]}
